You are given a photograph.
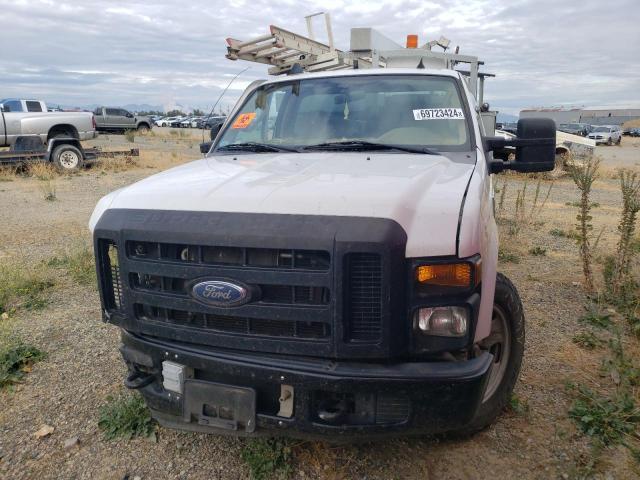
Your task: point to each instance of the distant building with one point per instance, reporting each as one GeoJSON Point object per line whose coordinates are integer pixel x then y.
{"type": "Point", "coordinates": [612, 116]}
{"type": "Point", "coordinates": [558, 114]}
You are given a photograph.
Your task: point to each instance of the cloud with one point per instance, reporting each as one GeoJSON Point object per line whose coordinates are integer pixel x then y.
{"type": "Point", "coordinates": [544, 52]}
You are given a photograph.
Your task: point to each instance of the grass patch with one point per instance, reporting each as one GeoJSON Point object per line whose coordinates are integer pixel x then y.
{"type": "Point", "coordinates": [557, 232]}
{"type": "Point", "coordinates": [130, 135]}
{"type": "Point", "coordinates": [126, 416]}
{"type": "Point", "coordinates": [16, 360]}
{"type": "Point", "coordinates": [538, 251]}
{"type": "Point", "coordinates": [577, 204]}
{"type": "Point", "coordinates": [79, 264]}
{"type": "Point", "coordinates": [267, 458]}
{"type": "Point", "coordinates": [588, 340]}
{"type": "Point", "coordinates": [23, 288]}
{"type": "Point", "coordinates": [507, 257]}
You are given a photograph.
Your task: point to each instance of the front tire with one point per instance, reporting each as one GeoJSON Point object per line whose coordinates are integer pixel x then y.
{"type": "Point", "coordinates": [143, 128]}
{"type": "Point", "coordinates": [506, 343]}
{"type": "Point", "coordinates": [67, 158]}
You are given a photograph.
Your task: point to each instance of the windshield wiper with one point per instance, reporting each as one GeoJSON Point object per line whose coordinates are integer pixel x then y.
{"type": "Point", "coordinates": [256, 147]}
{"type": "Point", "coordinates": [364, 145]}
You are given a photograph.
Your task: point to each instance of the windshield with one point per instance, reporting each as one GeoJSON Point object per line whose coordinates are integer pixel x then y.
{"type": "Point", "coordinates": [602, 129]}
{"type": "Point", "coordinates": [402, 110]}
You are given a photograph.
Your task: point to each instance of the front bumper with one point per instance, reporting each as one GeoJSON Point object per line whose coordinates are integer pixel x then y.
{"type": "Point", "coordinates": [373, 399]}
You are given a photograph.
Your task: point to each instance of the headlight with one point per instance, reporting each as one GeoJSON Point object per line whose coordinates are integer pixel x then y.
{"type": "Point", "coordinates": [442, 321]}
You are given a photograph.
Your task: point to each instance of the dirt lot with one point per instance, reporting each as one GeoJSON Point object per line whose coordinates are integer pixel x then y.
{"type": "Point", "coordinates": [533, 439]}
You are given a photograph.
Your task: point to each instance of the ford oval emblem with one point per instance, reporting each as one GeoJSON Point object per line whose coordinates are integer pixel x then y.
{"type": "Point", "coordinates": [220, 293]}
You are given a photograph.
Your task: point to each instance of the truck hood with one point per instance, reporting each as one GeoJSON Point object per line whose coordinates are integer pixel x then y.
{"type": "Point", "coordinates": [423, 193]}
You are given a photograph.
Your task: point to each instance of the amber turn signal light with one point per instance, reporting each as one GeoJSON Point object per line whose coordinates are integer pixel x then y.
{"type": "Point", "coordinates": [412, 41]}
{"type": "Point", "coordinates": [445, 275]}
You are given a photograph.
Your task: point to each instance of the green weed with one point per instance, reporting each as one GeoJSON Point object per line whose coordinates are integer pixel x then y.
{"type": "Point", "coordinates": [538, 251]}
{"type": "Point", "coordinates": [588, 340]}
{"type": "Point", "coordinates": [556, 232]}
{"type": "Point", "coordinates": [595, 317]}
{"type": "Point", "coordinates": [267, 458]}
{"type": "Point", "coordinates": [610, 419]}
{"type": "Point", "coordinates": [516, 405]}
{"type": "Point", "coordinates": [130, 135]}
{"type": "Point", "coordinates": [126, 416]}
{"type": "Point", "coordinates": [16, 359]}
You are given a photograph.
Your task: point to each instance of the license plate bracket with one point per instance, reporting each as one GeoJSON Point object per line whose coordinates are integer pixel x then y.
{"type": "Point", "coordinates": [221, 406]}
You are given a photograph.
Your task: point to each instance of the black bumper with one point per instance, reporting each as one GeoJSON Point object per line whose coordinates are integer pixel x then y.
{"type": "Point", "coordinates": [374, 399]}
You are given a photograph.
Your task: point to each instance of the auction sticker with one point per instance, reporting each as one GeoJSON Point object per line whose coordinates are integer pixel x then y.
{"type": "Point", "coordinates": [438, 113]}
{"type": "Point", "coordinates": [244, 120]}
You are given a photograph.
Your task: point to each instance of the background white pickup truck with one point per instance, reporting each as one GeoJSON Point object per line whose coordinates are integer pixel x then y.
{"type": "Point", "coordinates": [20, 118]}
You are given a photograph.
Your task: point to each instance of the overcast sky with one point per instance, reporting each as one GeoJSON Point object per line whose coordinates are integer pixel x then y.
{"type": "Point", "coordinates": [83, 52]}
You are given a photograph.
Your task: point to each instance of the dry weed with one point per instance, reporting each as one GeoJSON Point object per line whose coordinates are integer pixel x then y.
{"type": "Point", "coordinates": [8, 173]}
{"type": "Point", "coordinates": [118, 164]}
{"type": "Point", "coordinates": [43, 171]}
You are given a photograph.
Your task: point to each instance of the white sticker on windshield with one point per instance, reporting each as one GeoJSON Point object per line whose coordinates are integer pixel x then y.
{"type": "Point", "coordinates": [437, 113]}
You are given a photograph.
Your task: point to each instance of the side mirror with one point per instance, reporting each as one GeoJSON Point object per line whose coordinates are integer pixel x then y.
{"type": "Point", "coordinates": [129, 115]}
{"type": "Point", "coordinates": [535, 145]}
{"type": "Point", "coordinates": [205, 147]}
{"type": "Point", "coordinates": [215, 130]}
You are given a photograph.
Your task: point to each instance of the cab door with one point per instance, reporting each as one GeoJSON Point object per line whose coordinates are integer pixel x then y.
{"type": "Point", "coordinates": [111, 118]}
{"type": "Point", "coordinates": [128, 120]}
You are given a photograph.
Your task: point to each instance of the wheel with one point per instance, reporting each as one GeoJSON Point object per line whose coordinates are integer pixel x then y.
{"type": "Point", "coordinates": [143, 128]}
{"type": "Point", "coordinates": [506, 344]}
{"type": "Point", "coordinates": [619, 141]}
{"type": "Point", "coordinates": [67, 158]}
{"type": "Point", "coordinates": [609, 142]}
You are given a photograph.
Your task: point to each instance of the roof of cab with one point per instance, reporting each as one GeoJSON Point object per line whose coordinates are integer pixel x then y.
{"type": "Point", "coordinates": [364, 71]}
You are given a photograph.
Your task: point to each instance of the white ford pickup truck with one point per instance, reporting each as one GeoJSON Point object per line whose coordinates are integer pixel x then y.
{"type": "Point", "coordinates": [329, 268]}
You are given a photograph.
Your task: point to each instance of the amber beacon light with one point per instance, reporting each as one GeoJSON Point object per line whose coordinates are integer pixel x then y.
{"type": "Point", "coordinates": [412, 41]}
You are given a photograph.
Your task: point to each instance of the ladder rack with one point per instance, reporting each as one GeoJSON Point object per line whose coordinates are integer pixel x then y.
{"type": "Point", "coordinates": [283, 49]}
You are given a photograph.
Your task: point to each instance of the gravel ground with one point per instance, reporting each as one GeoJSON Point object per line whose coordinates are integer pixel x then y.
{"type": "Point", "coordinates": [83, 366]}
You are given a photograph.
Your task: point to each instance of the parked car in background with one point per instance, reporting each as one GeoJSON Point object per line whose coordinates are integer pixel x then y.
{"type": "Point", "coordinates": [115, 119]}
{"type": "Point", "coordinates": [581, 129]}
{"type": "Point", "coordinates": [165, 121]}
{"type": "Point", "coordinates": [608, 134]}
{"type": "Point", "coordinates": [209, 122]}
{"type": "Point", "coordinates": [176, 122]}
{"type": "Point", "coordinates": [634, 132]}
{"type": "Point", "coordinates": [186, 123]}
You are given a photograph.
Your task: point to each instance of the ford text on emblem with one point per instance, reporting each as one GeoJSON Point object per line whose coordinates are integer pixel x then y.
{"type": "Point", "coordinates": [220, 293]}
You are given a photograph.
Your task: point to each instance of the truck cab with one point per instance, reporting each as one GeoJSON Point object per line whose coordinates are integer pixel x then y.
{"type": "Point", "coordinates": [328, 269]}
{"type": "Point", "coordinates": [19, 105]}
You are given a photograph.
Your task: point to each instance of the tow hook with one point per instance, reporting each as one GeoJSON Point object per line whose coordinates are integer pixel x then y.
{"type": "Point", "coordinates": [137, 379]}
{"type": "Point", "coordinates": [332, 411]}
